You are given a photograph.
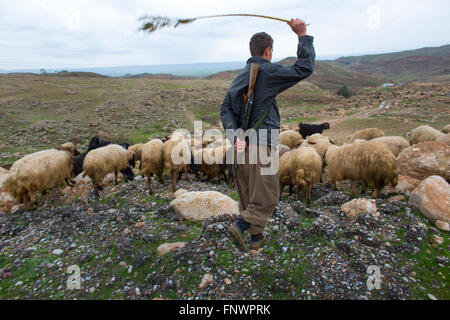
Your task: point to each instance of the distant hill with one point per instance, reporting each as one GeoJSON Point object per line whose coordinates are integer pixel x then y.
{"type": "Point", "coordinates": [74, 74]}
{"type": "Point", "coordinates": [183, 70]}
{"type": "Point", "coordinates": [155, 76]}
{"type": "Point", "coordinates": [443, 51]}
{"type": "Point", "coordinates": [426, 64]}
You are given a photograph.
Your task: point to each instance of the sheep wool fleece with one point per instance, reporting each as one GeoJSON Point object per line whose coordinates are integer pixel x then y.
{"type": "Point", "coordinates": [258, 194]}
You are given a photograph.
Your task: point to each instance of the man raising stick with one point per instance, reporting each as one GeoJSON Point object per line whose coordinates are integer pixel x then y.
{"type": "Point", "coordinates": [259, 194]}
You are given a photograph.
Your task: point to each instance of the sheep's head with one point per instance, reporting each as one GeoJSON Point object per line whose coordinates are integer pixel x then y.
{"type": "Point", "coordinates": [68, 146]}
{"type": "Point", "coordinates": [326, 126]}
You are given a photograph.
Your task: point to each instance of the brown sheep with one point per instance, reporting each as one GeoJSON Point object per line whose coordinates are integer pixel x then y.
{"type": "Point", "coordinates": [214, 160]}
{"type": "Point", "coordinates": [39, 171]}
{"type": "Point", "coordinates": [371, 162]}
{"type": "Point", "coordinates": [152, 161]}
{"type": "Point", "coordinates": [99, 162]}
{"type": "Point", "coordinates": [284, 172]}
{"type": "Point", "coordinates": [176, 157]}
{"type": "Point", "coordinates": [305, 171]}
{"type": "Point", "coordinates": [367, 134]}
{"type": "Point", "coordinates": [137, 149]}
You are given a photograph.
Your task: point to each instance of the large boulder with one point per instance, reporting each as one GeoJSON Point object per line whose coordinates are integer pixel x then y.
{"type": "Point", "coordinates": [424, 160]}
{"type": "Point", "coordinates": [432, 197]}
{"type": "Point", "coordinates": [356, 207]}
{"type": "Point", "coordinates": [197, 206]}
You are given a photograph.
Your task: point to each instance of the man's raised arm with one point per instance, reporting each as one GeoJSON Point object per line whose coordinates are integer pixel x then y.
{"type": "Point", "coordinates": [284, 77]}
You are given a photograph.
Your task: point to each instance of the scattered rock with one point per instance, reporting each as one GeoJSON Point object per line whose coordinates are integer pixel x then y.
{"type": "Point", "coordinates": [431, 296]}
{"type": "Point", "coordinates": [442, 225]}
{"type": "Point", "coordinates": [170, 247]}
{"type": "Point", "coordinates": [206, 281]}
{"type": "Point", "coordinates": [58, 252]}
{"type": "Point", "coordinates": [438, 240]}
{"type": "Point", "coordinates": [197, 206]}
{"type": "Point", "coordinates": [397, 198]}
{"type": "Point", "coordinates": [432, 198]}
{"type": "Point", "coordinates": [357, 206]}
{"type": "Point", "coordinates": [139, 224]}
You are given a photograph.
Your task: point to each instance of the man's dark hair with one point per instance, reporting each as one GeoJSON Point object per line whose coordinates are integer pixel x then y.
{"type": "Point", "coordinates": [260, 42]}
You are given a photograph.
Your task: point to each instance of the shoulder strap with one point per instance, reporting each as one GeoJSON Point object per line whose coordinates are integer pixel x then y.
{"type": "Point", "coordinates": [261, 119]}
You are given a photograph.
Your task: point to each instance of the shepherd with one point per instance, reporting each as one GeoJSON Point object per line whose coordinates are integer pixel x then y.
{"type": "Point", "coordinates": [259, 193]}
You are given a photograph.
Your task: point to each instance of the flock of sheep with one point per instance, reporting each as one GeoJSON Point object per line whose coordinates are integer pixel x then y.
{"type": "Point", "coordinates": [306, 155]}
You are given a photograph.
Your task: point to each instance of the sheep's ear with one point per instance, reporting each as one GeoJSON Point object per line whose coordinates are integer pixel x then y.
{"type": "Point", "coordinates": [312, 142]}
{"type": "Point", "coordinates": [332, 142]}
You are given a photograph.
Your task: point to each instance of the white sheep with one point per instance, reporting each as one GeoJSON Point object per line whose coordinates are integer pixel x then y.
{"type": "Point", "coordinates": [369, 161]}
{"type": "Point", "coordinates": [367, 134]}
{"type": "Point", "coordinates": [39, 171]}
{"type": "Point", "coordinates": [445, 139]}
{"type": "Point", "coordinates": [109, 159]}
{"type": "Point", "coordinates": [395, 143]}
{"type": "Point", "coordinates": [290, 138]}
{"type": "Point", "coordinates": [423, 134]}
{"type": "Point", "coordinates": [152, 161]}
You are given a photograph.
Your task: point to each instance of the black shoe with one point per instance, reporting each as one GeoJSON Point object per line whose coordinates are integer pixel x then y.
{"type": "Point", "coordinates": [237, 236]}
{"type": "Point", "coordinates": [256, 241]}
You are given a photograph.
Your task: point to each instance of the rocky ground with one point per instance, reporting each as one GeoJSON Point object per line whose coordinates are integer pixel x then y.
{"type": "Point", "coordinates": [316, 253]}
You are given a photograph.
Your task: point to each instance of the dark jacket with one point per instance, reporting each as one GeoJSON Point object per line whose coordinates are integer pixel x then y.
{"type": "Point", "coordinates": [272, 80]}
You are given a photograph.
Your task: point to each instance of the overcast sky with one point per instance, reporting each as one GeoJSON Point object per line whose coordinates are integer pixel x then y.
{"type": "Point", "coordinates": [100, 33]}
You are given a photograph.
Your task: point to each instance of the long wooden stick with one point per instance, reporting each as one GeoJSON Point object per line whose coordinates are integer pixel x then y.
{"type": "Point", "coordinates": [153, 23]}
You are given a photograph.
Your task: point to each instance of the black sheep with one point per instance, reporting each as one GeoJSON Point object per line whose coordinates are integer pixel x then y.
{"type": "Point", "coordinates": [307, 130]}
